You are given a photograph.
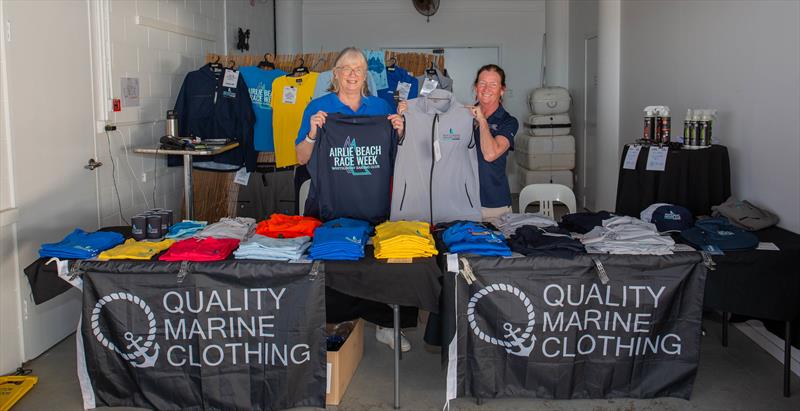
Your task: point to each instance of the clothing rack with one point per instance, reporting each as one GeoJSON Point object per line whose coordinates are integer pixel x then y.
{"type": "Point", "coordinates": [415, 63]}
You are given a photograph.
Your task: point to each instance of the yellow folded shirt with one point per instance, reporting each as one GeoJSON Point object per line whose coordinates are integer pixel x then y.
{"type": "Point", "coordinates": [135, 250]}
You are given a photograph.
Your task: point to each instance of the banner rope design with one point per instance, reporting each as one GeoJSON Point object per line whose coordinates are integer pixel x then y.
{"type": "Point", "coordinates": [151, 334]}
{"type": "Point", "coordinates": [473, 301]}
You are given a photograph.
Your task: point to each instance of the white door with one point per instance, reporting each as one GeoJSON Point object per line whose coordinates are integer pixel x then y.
{"type": "Point", "coordinates": [52, 137]}
{"type": "Point", "coordinates": [590, 123]}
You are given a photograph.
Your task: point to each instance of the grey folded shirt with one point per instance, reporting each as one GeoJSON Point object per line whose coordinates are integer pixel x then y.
{"type": "Point", "coordinates": [745, 215]}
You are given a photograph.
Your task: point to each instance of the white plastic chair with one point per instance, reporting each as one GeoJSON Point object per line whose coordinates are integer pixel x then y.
{"type": "Point", "coordinates": [545, 195]}
{"type": "Point", "coordinates": [303, 195]}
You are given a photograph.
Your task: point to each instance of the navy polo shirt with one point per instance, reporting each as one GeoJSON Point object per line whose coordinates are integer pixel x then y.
{"type": "Point", "coordinates": [330, 103]}
{"type": "Point", "coordinates": [494, 181]}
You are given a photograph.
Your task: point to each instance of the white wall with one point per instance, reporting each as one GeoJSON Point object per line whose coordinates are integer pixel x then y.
{"type": "Point", "coordinates": [160, 60]}
{"type": "Point", "coordinates": [558, 56]}
{"type": "Point", "coordinates": [741, 57]}
{"type": "Point", "coordinates": [516, 26]}
{"type": "Point", "coordinates": [606, 156]}
{"type": "Point", "coordinates": [582, 24]}
{"type": "Point", "coordinates": [256, 16]}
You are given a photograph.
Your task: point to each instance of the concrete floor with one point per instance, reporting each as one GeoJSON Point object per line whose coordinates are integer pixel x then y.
{"type": "Point", "coordinates": [740, 377]}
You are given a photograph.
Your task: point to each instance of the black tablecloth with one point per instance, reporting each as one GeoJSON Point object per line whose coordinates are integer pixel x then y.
{"type": "Point", "coordinates": [413, 284]}
{"type": "Point", "coordinates": [695, 179]}
{"type": "Point", "coordinates": [758, 283]}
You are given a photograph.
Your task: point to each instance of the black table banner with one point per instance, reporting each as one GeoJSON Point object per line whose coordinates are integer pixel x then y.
{"type": "Point", "coordinates": [551, 328]}
{"type": "Point", "coordinates": [223, 335]}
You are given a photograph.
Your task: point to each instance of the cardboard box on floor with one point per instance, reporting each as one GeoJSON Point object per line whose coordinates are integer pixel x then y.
{"type": "Point", "coordinates": [342, 364]}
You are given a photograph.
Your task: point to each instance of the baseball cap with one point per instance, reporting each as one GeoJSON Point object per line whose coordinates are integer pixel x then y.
{"type": "Point", "coordinates": [672, 218]}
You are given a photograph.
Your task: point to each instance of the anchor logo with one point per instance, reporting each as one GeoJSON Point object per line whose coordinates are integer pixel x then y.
{"type": "Point", "coordinates": [517, 342]}
{"type": "Point", "coordinates": [138, 349]}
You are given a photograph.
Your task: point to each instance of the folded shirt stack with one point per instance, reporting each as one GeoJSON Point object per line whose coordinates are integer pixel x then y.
{"type": "Point", "coordinates": [136, 250]}
{"type": "Point", "coordinates": [185, 229]}
{"type": "Point", "coordinates": [200, 249]}
{"type": "Point", "coordinates": [404, 239]}
{"type": "Point", "coordinates": [509, 223]}
{"type": "Point", "coordinates": [239, 228]}
{"type": "Point", "coordinates": [81, 245]}
{"type": "Point", "coordinates": [584, 222]}
{"type": "Point", "coordinates": [474, 238]}
{"type": "Point", "coordinates": [339, 243]}
{"type": "Point", "coordinates": [627, 235]}
{"type": "Point", "coordinates": [260, 247]}
{"type": "Point", "coordinates": [551, 241]}
{"type": "Point", "coordinates": [288, 226]}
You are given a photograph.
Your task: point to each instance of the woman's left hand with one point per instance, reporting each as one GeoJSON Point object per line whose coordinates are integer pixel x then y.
{"type": "Point", "coordinates": [397, 123]}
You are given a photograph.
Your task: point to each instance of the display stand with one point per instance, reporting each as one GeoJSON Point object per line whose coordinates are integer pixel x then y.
{"type": "Point", "coordinates": [187, 167]}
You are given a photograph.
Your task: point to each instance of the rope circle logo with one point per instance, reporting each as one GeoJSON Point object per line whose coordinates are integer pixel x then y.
{"type": "Point", "coordinates": [140, 350]}
{"type": "Point", "coordinates": [517, 343]}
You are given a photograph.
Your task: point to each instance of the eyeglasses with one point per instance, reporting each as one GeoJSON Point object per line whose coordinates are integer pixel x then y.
{"type": "Point", "coordinates": [488, 85]}
{"type": "Point", "coordinates": [350, 70]}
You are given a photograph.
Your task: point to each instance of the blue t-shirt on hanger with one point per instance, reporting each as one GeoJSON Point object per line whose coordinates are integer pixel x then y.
{"type": "Point", "coordinates": [395, 77]}
{"type": "Point", "coordinates": [259, 84]}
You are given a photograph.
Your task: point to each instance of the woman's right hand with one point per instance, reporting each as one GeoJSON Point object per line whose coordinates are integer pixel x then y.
{"type": "Point", "coordinates": [317, 120]}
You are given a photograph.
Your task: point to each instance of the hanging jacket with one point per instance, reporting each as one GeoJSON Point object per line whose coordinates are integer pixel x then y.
{"type": "Point", "coordinates": [351, 168]}
{"type": "Point", "coordinates": [394, 76]}
{"type": "Point", "coordinates": [207, 109]}
{"type": "Point", "coordinates": [444, 82]}
{"type": "Point", "coordinates": [436, 190]}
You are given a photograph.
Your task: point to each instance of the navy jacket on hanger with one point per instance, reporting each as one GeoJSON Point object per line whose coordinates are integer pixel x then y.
{"type": "Point", "coordinates": [207, 109]}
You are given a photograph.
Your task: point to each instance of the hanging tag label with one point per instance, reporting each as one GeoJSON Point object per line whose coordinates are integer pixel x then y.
{"type": "Point", "coordinates": [631, 157]}
{"type": "Point", "coordinates": [768, 247]}
{"type": "Point", "coordinates": [657, 158]}
{"type": "Point", "coordinates": [403, 89]}
{"type": "Point", "coordinates": [452, 263]}
{"type": "Point", "coordinates": [289, 95]}
{"type": "Point", "coordinates": [231, 78]}
{"type": "Point", "coordinates": [428, 86]}
{"type": "Point", "coordinates": [242, 177]}
{"type": "Point", "coordinates": [437, 151]}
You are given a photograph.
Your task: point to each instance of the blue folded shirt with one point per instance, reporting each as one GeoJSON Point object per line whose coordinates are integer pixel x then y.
{"type": "Point", "coordinates": [185, 229]}
{"type": "Point", "coordinates": [343, 243]}
{"type": "Point", "coordinates": [81, 245]}
{"type": "Point", "coordinates": [473, 238]}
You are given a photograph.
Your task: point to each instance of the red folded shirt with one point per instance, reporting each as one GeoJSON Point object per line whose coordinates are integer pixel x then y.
{"type": "Point", "coordinates": [200, 249]}
{"type": "Point", "coordinates": [288, 226]}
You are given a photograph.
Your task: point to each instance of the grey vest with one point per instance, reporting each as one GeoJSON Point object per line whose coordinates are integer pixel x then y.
{"type": "Point", "coordinates": [425, 189]}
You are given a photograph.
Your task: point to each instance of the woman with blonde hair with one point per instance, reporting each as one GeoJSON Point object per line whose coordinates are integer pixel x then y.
{"type": "Point", "coordinates": [349, 95]}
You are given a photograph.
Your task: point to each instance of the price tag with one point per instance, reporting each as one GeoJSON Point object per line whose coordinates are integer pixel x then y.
{"type": "Point", "coordinates": [631, 157]}
{"type": "Point", "coordinates": [428, 86]}
{"type": "Point", "coordinates": [657, 159]}
{"type": "Point", "coordinates": [437, 151]}
{"type": "Point", "coordinates": [231, 78]}
{"type": "Point", "coordinates": [403, 89]}
{"type": "Point", "coordinates": [768, 247]}
{"type": "Point", "coordinates": [289, 95]}
{"type": "Point", "coordinates": [242, 177]}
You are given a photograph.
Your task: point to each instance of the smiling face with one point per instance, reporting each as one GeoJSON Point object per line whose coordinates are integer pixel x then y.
{"type": "Point", "coordinates": [351, 73]}
{"type": "Point", "coordinates": [489, 88]}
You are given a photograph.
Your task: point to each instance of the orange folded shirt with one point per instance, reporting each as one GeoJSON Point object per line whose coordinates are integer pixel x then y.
{"type": "Point", "coordinates": [288, 226]}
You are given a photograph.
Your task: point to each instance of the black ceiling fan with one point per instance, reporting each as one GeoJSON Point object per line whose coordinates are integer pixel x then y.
{"type": "Point", "coordinates": [426, 7]}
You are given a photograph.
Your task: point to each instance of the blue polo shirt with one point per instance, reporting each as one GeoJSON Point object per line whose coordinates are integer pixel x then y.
{"type": "Point", "coordinates": [330, 103]}
{"type": "Point", "coordinates": [494, 181]}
